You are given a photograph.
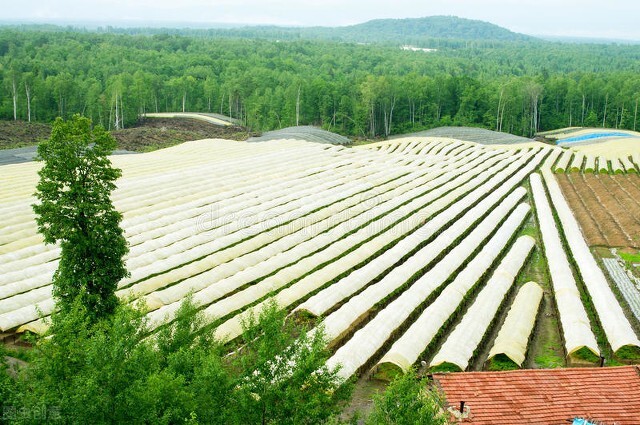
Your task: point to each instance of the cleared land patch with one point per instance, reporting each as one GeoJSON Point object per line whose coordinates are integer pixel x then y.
{"type": "Point", "coordinates": [606, 206]}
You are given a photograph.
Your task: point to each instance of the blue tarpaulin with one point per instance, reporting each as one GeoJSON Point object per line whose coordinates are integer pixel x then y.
{"type": "Point", "coordinates": [592, 136]}
{"type": "Point", "coordinates": [580, 421]}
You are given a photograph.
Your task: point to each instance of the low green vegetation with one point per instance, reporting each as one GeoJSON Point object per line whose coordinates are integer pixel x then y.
{"type": "Point", "coordinates": [112, 372]}
{"type": "Point", "coordinates": [501, 362]}
{"type": "Point", "coordinates": [445, 367]}
{"type": "Point", "coordinates": [7, 385]}
{"type": "Point", "coordinates": [584, 354]}
{"type": "Point", "coordinates": [628, 353]}
{"type": "Point", "coordinates": [408, 400]}
{"type": "Point", "coordinates": [630, 258]}
{"type": "Point", "coordinates": [548, 355]}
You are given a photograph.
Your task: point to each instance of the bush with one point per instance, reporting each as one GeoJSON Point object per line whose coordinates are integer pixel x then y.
{"type": "Point", "coordinates": [112, 371]}
{"type": "Point", "coordinates": [408, 400]}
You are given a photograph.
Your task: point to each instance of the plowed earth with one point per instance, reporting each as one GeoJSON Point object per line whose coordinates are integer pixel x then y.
{"type": "Point", "coordinates": [606, 206]}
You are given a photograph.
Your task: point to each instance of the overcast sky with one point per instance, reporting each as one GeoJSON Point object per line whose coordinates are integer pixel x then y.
{"type": "Point", "coordinates": [582, 18]}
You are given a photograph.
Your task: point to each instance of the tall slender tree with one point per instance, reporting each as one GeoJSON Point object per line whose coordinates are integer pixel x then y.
{"type": "Point", "coordinates": [75, 210]}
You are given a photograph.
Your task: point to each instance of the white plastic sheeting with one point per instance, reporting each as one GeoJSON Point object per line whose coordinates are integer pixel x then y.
{"type": "Point", "coordinates": [590, 164]}
{"type": "Point", "coordinates": [616, 166]}
{"type": "Point", "coordinates": [459, 347]}
{"type": "Point", "coordinates": [269, 244]}
{"type": "Point", "coordinates": [628, 165]}
{"type": "Point", "coordinates": [627, 288]}
{"type": "Point", "coordinates": [289, 170]}
{"type": "Point", "coordinates": [402, 216]}
{"type": "Point", "coordinates": [513, 338]}
{"type": "Point", "coordinates": [563, 162]}
{"type": "Point", "coordinates": [233, 327]}
{"type": "Point", "coordinates": [164, 194]}
{"type": "Point", "coordinates": [636, 160]}
{"type": "Point", "coordinates": [407, 349]}
{"type": "Point", "coordinates": [573, 317]}
{"type": "Point", "coordinates": [324, 300]}
{"type": "Point", "coordinates": [369, 339]}
{"type": "Point", "coordinates": [576, 163]}
{"type": "Point", "coordinates": [603, 165]}
{"type": "Point", "coordinates": [616, 327]}
{"type": "Point", "coordinates": [181, 251]}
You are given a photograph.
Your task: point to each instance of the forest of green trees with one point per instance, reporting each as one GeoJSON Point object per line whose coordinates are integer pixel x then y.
{"type": "Point", "coordinates": [359, 90]}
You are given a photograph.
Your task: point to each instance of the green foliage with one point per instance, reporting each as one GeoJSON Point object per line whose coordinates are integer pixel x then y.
{"type": "Point", "coordinates": [549, 358]}
{"type": "Point", "coordinates": [445, 367]}
{"type": "Point", "coordinates": [408, 400]}
{"type": "Point", "coordinates": [7, 386]}
{"type": "Point", "coordinates": [501, 362]}
{"type": "Point", "coordinates": [284, 379]}
{"type": "Point", "coordinates": [75, 210]}
{"type": "Point", "coordinates": [628, 352]}
{"type": "Point", "coordinates": [111, 371]}
{"type": "Point", "coordinates": [630, 258]}
{"type": "Point", "coordinates": [586, 355]}
{"type": "Point", "coordinates": [349, 88]}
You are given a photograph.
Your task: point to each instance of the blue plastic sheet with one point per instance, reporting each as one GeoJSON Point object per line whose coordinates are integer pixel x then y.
{"type": "Point", "coordinates": [592, 136]}
{"type": "Point", "coordinates": [580, 421]}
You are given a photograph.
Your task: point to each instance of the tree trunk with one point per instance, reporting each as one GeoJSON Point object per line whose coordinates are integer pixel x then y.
{"type": "Point", "coordinates": [393, 105]}
{"type": "Point", "coordinates": [121, 113]}
{"type": "Point", "coordinates": [584, 99]}
{"type": "Point", "coordinates": [635, 116]}
{"type": "Point", "coordinates": [298, 108]}
{"type": "Point", "coordinates": [117, 121]}
{"type": "Point", "coordinates": [504, 105]}
{"type": "Point", "coordinates": [184, 101]}
{"type": "Point", "coordinates": [570, 113]}
{"type": "Point", "coordinates": [28, 92]}
{"type": "Point", "coordinates": [372, 121]}
{"type": "Point", "coordinates": [606, 103]}
{"type": "Point", "coordinates": [498, 113]}
{"type": "Point", "coordinates": [14, 90]}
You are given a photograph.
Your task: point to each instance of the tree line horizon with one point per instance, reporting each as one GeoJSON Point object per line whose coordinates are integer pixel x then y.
{"type": "Point", "coordinates": [358, 90]}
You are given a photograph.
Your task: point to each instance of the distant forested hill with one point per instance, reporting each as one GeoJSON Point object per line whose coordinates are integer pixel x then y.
{"type": "Point", "coordinates": [433, 30]}
{"type": "Point", "coordinates": [448, 27]}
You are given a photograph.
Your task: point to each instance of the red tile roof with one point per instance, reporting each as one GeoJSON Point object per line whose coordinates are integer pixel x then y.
{"type": "Point", "coordinates": [609, 395]}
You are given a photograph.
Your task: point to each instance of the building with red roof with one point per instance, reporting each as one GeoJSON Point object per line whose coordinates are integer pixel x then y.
{"type": "Point", "coordinates": [607, 396]}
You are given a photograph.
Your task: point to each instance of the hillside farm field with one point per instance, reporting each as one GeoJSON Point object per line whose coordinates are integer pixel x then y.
{"type": "Point", "coordinates": [607, 207]}
{"type": "Point", "coordinates": [418, 249]}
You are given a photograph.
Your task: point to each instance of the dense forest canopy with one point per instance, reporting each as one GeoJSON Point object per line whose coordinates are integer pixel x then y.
{"type": "Point", "coordinates": [356, 89]}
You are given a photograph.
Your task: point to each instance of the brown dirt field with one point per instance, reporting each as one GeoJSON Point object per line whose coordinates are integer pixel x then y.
{"type": "Point", "coordinates": [578, 205]}
{"type": "Point", "coordinates": [19, 134]}
{"type": "Point", "coordinates": [606, 206]}
{"type": "Point", "coordinates": [147, 135]}
{"type": "Point", "coordinates": [157, 133]}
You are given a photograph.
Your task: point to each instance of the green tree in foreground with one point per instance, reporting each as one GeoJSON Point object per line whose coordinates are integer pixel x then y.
{"type": "Point", "coordinates": [408, 400]}
{"type": "Point", "coordinates": [75, 210]}
{"type": "Point", "coordinates": [112, 372]}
